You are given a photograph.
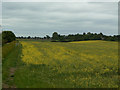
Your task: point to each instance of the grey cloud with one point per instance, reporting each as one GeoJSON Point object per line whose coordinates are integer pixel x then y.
{"type": "Point", "coordinates": [45, 18]}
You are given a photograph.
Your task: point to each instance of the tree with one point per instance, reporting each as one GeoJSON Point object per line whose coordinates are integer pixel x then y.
{"type": "Point", "coordinates": [8, 36]}
{"type": "Point", "coordinates": [28, 37]}
{"type": "Point", "coordinates": [48, 37]}
{"type": "Point", "coordinates": [84, 33]}
{"type": "Point", "coordinates": [55, 36]}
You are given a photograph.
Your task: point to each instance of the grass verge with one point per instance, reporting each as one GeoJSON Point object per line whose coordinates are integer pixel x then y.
{"type": "Point", "coordinates": [11, 54]}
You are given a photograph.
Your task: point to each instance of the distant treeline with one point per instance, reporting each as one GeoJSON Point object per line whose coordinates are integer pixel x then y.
{"type": "Point", "coordinates": [9, 36]}
{"type": "Point", "coordinates": [75, 37]}
{"type": "Point", "coordinates": [29, 37]}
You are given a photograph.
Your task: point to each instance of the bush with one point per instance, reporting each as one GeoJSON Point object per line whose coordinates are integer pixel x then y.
{"type": "Point", "coordinates": [8, 36]}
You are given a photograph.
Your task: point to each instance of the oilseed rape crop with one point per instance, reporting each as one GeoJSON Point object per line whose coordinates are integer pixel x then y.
{"type": "Point", "coordinates": [75, 65]}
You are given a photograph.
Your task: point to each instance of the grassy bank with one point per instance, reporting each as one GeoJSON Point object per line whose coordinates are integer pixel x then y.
{"type": "Point", "coordinates": [11, 56]}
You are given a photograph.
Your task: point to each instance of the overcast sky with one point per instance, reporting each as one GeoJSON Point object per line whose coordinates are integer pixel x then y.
{"type": "Point", "coordinates": [40, 19]}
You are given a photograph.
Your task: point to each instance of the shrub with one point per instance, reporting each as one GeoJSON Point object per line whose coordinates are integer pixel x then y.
{"type": "Point", "coordinates": [8, 36]}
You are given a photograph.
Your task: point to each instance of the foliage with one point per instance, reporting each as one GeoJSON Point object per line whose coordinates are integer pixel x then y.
{"type": "Point", "coordinates": [55, 36]}
{"type": "Point", "coordinates": [35, 38]}
{"type": "Point", "coordinates": [7, 36]}
{"type": "Point", "coordinates": [83, 37]}
{"type": "Point", "coordinates": [47, 37]}
{"type": "Point", "coordinates": [75, 37]}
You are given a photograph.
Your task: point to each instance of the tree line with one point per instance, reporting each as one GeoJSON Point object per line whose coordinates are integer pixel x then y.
{"type": "Point", "coordinates": [9, 36]}
{"type": "Point", "coordinates": [75, 37]}
{"type": "Point", "coordinates": [82, 37]}
{"type": "Point", "coordinates": [29, 37]}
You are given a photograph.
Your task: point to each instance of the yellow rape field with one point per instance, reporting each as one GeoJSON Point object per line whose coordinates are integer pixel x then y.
{"type": "Point", "coordinates": [89, 41]}
{"type": "Point", "coordinates": [74, 65]}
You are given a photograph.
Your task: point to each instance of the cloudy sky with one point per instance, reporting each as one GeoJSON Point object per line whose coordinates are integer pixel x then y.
{"type": "Point", "coordinates": [44, 18]}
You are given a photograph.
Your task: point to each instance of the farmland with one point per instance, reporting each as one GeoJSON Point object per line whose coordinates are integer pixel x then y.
{"type": "Point", "coordinates": [81, 64]}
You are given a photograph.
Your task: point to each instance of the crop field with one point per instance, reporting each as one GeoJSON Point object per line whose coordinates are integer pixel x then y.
{"type": "Point", "coordinates": [83, 64]}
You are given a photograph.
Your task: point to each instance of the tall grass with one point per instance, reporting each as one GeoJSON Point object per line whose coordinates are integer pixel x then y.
{"type": "Point", "coordinates": [7, 48]}
{"type": "Point", "coordinates": [11, 54]}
